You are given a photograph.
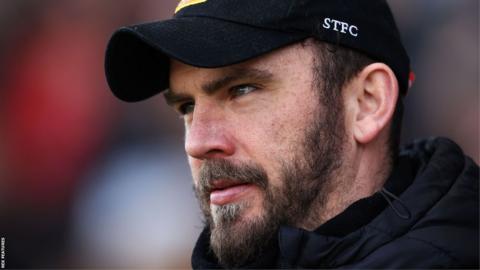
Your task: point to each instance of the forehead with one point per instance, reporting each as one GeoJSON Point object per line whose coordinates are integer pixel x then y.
{"type": "Point", "coordinates": [290, 60]}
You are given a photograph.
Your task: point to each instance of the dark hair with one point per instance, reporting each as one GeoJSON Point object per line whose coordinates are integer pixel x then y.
{"type": "Point", "coordinates": [334, 68]}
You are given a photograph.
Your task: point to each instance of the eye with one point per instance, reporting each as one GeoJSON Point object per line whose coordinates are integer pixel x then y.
{"type": "Point", "coordinates": [186, 108]}
{"type": "Point", "coordinates": [241, 90]}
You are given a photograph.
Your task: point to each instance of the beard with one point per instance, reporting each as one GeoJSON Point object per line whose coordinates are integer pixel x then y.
{"type": "Point", "coordinates": [235, 240]}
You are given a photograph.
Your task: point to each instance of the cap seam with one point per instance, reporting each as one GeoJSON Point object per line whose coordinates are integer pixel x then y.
{"type": "Point", "coordinates": [248, 24]}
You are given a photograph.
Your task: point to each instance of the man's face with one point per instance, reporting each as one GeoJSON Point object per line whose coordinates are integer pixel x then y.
{"type": "Point", "coordinates": [259, 143]}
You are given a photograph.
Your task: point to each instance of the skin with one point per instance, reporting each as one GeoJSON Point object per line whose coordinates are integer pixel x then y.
{"type": "Point", "coordinates": [257, 110]}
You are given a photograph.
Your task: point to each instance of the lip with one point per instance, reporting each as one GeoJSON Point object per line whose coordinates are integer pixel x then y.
{"type": "Point", "coordinates": [224, 192]}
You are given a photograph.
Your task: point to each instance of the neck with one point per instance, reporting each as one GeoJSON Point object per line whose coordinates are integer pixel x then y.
{"type": "Point", "coordinates": [364, 172]}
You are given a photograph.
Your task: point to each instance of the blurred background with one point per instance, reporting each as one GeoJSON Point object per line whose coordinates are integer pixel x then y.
{"type": "Point", "coordinates": [89, 181]}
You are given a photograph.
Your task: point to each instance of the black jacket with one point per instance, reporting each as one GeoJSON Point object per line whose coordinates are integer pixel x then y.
{"type": "Point", "coordinates": [425, 217]}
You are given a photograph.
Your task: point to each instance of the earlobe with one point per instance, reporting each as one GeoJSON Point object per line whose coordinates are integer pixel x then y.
{"type": "Point", "coordinates": [376, 97]}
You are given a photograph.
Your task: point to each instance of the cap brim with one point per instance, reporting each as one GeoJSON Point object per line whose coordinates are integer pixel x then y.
{"type": "Point", "coordinates": [137, 57]}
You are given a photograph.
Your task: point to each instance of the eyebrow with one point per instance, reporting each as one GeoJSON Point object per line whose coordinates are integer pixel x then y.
{"type": "Point", "coordinates": [230, 76]}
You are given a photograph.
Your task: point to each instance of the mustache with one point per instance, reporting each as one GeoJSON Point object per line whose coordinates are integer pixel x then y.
{"type": "Point", "coordinates": [225, 170]}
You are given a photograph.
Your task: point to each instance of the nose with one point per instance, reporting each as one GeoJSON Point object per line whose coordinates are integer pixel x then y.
{"type": "Point", "coordinates": [208, 135]}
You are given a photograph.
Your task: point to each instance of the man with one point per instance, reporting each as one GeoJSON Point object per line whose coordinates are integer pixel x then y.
{"type": "Point", "coordinates": [292, 113]}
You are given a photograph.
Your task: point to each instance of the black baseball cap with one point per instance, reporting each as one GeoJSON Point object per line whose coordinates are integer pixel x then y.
{"type": "Point", "coordinates": [216, 33]}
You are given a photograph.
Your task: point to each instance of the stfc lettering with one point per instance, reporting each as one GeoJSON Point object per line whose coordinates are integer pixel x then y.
{"type": "Point", "coordinates": [340, 26]}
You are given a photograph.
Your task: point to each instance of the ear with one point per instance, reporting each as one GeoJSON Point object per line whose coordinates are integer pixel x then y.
{"type": "Point", "coordinates": [376, 96]}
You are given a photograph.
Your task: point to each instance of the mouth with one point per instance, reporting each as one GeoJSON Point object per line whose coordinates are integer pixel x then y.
{"type": "Point", "coordinates": [224, 192]}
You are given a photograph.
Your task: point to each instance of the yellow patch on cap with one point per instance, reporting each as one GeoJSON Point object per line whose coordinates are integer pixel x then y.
{"type": "Point", "coordinates": [186, 3]}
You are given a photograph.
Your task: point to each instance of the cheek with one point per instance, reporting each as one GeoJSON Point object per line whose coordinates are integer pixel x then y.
{"type": "Point", "coordinates": [284, 132]}
{"type": "Point", "coordinates": [273, 141]}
